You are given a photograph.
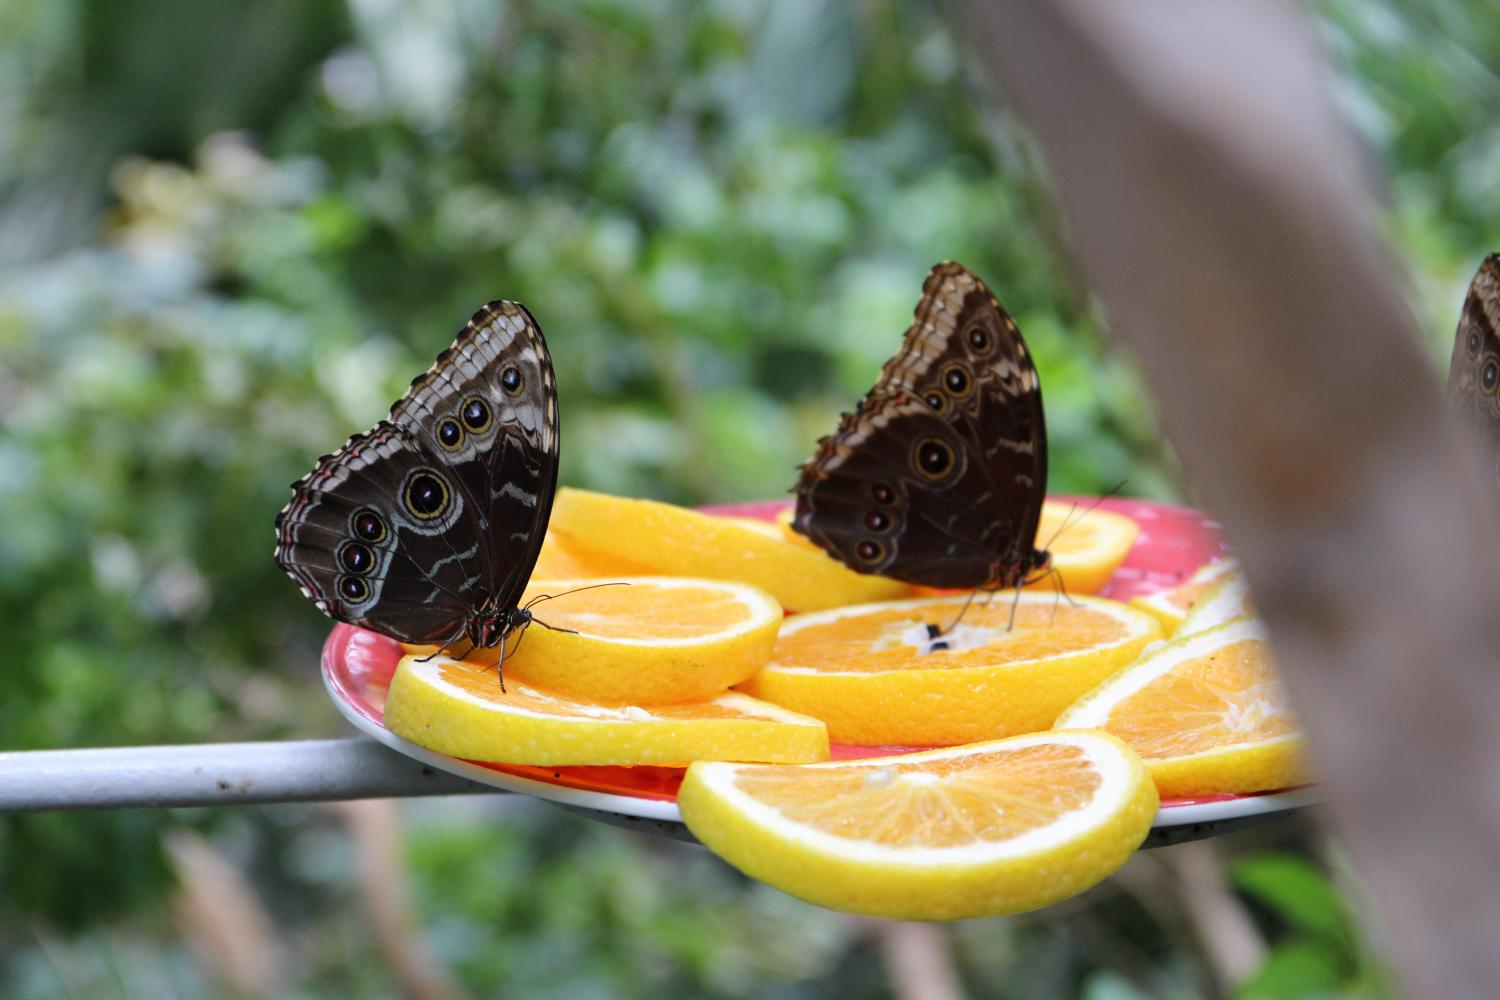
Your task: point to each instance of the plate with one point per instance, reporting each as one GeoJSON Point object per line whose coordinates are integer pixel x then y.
{"type": "Point", "coordinates": [1174, 541]}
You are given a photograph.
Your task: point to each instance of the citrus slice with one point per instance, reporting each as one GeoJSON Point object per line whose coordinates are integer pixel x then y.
{"type": "Point", "coordinates": [679, 542]}
{"type": "Point", "coordinates": [1172, 605]}
{"type": "Point", "coordinates": [1224, 601]}
{"type": "Point", "coordinates": [1087, 546]}
{"type": "Point", "coordinates": [873, 674]}
{"type": "Point", "coordinates": [642, 640]}
{"type": "Point", "coordinates": [457, 708]}
{"type": "Point", "coordinates": [968, 831]}
{"type": "Point", "coordinates": [1205, 712]}
{"type": "Point", "coordinates": [563, 558]}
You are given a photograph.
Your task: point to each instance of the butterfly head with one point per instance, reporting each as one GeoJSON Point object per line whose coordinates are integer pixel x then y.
{"type": "Point", "coordinates": [487, 629]}
{"type": "Point", "coordinates": [1017, 571]}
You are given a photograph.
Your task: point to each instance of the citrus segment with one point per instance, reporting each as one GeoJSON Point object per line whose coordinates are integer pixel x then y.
{"type": "Point", "coordinates": [977, 830]}
{"type": "Point", "coordinates": [681, 542]}
{"type": "Point", "coordinates": [1205, 712]}
{"type": "Point", "coordinates": [642, 640]}
{"type": "Point", "coordinates": [1172, 605]}
{"type": "Point", "coordinates": [875, 675]}
{"type": "Point", "coordinates": [457, 708]}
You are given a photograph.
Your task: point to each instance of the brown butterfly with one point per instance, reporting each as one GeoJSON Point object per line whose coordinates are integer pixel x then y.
{"type": "Point", "coordinates": [426, 527]}
{"type": "Point", "coordinates": [938, 476]}
{"type": "Point", "coordinates": [1474, 373]}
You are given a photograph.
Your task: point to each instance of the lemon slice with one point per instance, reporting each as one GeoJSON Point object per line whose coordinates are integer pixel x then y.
{"type": "Point", "coordinates": [647, 640]}
{"type": "Point", "coordinates": [969, 831]}
{"type": "Point", "coordinates": [1205, 712]}
{"type": "Point", "coordinates": [457, 708]}
{"type": "Point", "coordinates": [1172, 605]}
{"type": "Point", "coordinates": [676, 541]}
{"type": "Point", "coordinates": [873, 673]}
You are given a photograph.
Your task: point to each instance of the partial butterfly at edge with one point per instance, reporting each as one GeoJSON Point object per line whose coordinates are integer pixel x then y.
{"type": "Point", "coordinates": [426, 527]}
{"type": "Point", "coordinates": [1474, 372]}
{"type": "Point", "coordinates": [939, 475]}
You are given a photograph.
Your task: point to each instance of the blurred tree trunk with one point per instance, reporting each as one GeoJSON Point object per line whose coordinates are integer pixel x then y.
{"type": "Point", "coordinates": [1222, 212]}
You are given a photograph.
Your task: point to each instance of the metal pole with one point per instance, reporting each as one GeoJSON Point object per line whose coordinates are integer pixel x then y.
{"type": "Point", "coordinates": [214, 774]}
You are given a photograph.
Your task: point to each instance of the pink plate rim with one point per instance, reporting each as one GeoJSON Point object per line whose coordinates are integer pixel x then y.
{"type": "Point", "coordinates": [1174, 540]}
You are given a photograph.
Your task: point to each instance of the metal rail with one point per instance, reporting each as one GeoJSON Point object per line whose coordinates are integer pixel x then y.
{"type": "Point", "coordinates": [216, 774]}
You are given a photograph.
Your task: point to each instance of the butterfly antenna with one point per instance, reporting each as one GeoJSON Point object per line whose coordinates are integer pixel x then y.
{"type": "Point", "coordinates": [538, 599]}
{"type": "Point", "coordinates": [1069, 521]}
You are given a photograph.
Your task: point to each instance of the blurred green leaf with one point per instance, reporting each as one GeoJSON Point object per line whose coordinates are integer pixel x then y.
{"type": "Point", "coordinates": [1295, 891]}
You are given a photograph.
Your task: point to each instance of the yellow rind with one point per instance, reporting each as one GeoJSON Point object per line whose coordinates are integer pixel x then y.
{"type": "Point", "coordinates": [952, 705]}
{"type": "Point", "coordinates": [615, 671]}
{"type": "Point", "coordinates": [923, 891]}
{"type": "Point", "coordinates": [680, 542]}
{"type": "Point", "coordinates": [431, 714]}
{"type": "Point", "coordinates": [1258, 767]}
{"type": "Point", "coordinates": [1238, 768]}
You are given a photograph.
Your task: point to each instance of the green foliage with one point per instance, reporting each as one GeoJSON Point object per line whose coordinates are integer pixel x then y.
{"type": "Point", "coordinates": [1321, 953]}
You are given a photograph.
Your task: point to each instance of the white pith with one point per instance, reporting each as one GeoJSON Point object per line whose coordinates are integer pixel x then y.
{"type": "Point", "coordinates": [1135, 622]}
{"type": "Point", "coordinates": [1112, 765]}
{"type": "Point", "coordinates": [760, 608]}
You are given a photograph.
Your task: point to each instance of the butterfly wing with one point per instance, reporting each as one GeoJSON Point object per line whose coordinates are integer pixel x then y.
{"type": "Point", "coordinates": [438, 512]}
{"type": "Point", "coordinates": [963, 382]}
{"type": "Point", "coordinates": [489, 405]}
{"type": "Point", "coordinates": [1474, 372]}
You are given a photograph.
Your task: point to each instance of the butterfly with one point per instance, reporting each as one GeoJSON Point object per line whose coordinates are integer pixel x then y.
{"type": "Point", "coordinates": [939, 474]}
{"type": "Point", "coordinates": [426, 527]}
{"type": "Point", "coordinates": [1474, 373]}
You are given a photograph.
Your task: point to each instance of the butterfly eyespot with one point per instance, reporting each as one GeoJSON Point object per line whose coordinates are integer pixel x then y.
{"type": "Point", "coordinates": [449, 434]}
{"type": "Point", "coordinates": [956, 380]}
{"type": "Point", "coordinates": [936, 400]}
{"type": "Point", "coordinates": [933, 458]}
{"type": "Point", "coordinates": [869, 551]}
{"type": "Point", "coordinates": [978, 338]}
{"type": "Point", "coordinates": [352, 588]}
{"type": "Point", "coordinates": [476, 414]}
{"type": "Point", "coordinates": [1489, 375]}
{"type": "Point", "coordinates": [356, 558]}
{"type": "Point", "coordinates": [368, 525]}
{"type": "Point", "coordinates": [882, 494]}
{"type": "Point", "coordinates": [510, 380]}
{"type": "Point", "coordinates": [426, 495]}
{"type": "Point", "coordinates": [1474, 343]}
{"type": "Point", "coordinates": [877, 520]}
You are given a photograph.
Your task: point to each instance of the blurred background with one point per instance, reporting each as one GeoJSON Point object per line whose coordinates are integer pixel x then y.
{"type": "Point", "coordinates": [230, 233]}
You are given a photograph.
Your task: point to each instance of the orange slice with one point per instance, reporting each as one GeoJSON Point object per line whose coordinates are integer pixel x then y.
{"type": "Point", "coordinates": [1205, 712]}
{"type": "Point", "coordinates": [969, 831]}
{"type": "Point", "coordinates": [563, 558]}
{"type": "Point", "coordinates": [676, 541]}
{"type": "Point", "coordinates": [643, 640]}
{"type": "Point", "coordinates": [1087, 546]}
{"type": "Point", "coordinates": [457, 708]}
{"type": "Point", "coordinates": [1223, 602]}
{"type": "Point", "coordinates": [1172, 605]}
{"type": "Point", "coordinates": [871, 673]}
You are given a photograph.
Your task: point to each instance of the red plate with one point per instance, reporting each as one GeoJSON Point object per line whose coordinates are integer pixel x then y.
{"type": "Point", "coordinates": [1174, 541]}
